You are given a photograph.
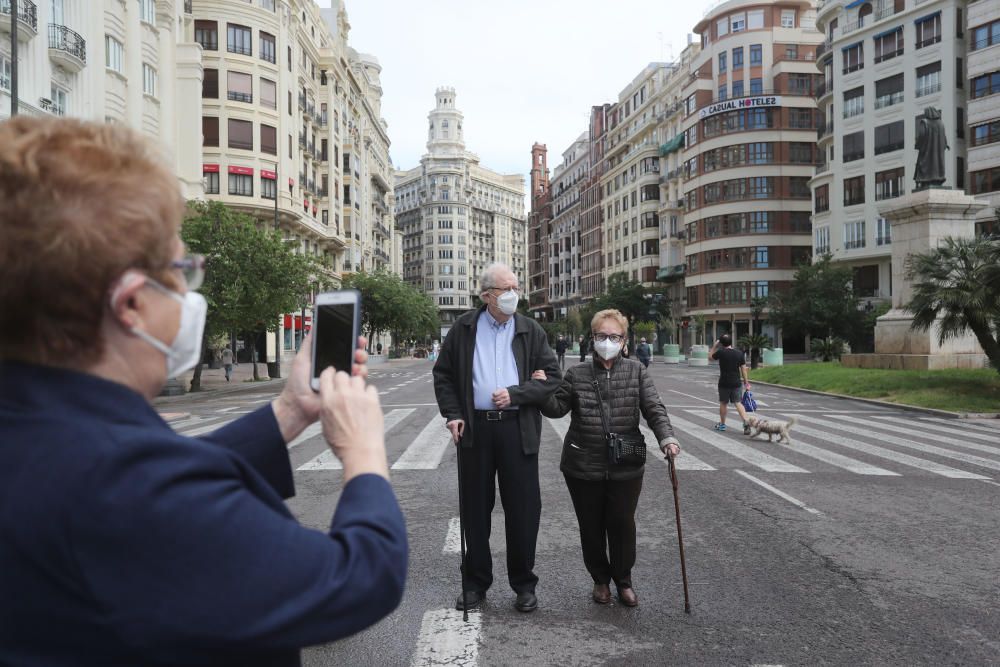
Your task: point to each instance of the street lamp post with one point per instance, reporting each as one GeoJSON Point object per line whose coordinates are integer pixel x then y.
{"type": "Point", "coordinates": [13, 58]}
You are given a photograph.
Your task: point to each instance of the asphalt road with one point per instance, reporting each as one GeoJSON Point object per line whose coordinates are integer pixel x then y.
{"type": "Point", "coordinates": [872, 539]}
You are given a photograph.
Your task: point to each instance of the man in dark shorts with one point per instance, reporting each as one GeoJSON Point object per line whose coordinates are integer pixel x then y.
{"type": "Point", "coordinates": [733, 378]}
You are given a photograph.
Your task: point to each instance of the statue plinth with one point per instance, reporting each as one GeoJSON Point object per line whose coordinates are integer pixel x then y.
{"type": "Point", "coordinates": [918, 222]}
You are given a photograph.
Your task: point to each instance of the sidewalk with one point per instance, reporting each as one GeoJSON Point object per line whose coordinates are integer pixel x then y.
{"type": "Point", "coordinates": [214, 379]}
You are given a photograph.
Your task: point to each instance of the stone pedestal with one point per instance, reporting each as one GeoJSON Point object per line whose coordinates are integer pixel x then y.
{"type": "Point", "coordinates": [919, 221]}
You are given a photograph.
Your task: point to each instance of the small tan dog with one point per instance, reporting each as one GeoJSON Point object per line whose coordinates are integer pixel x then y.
{"type": "Point", "coordinates": [772, 427]}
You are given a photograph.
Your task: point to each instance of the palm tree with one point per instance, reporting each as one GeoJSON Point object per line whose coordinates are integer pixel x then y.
{"type": "Point", "coordinates": [755, 343]}
{"type": "Point", "coordinates": [957, 286]}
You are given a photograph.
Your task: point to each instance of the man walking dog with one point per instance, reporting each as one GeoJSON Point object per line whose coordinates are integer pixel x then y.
{"type": "Point", "coordinates": [733, 379]}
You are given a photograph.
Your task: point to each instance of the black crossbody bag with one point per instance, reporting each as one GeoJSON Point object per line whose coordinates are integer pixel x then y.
{"type": "Point", "coordinates": [627, 450]}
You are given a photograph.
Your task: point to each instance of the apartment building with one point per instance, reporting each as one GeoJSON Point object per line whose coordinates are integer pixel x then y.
{"type": "Point", "coordinates": [592, 282]}
{"type": "Point", "coordinates": [538, 228]}
{"type": "Point", "coordinates": [569, 180]}
{"type": "Point", "coordinates": [749, 121]}
{"type": "Point", "coordinates": [983, 108]}
{"type": "Point", "coordinates": [883, 63]}
{"type": "Point", "coordinates": [457, 216]}
{"type": "Point", "coordinates": [127, 62]}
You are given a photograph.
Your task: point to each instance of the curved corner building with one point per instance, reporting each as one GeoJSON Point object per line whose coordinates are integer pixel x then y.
{"type": "Point", "coordinates": [749, 153]}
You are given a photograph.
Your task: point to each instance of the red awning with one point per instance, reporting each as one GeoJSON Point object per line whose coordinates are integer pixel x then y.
{"type": "Point", "coordinates": [298, 321]}
{"type": "Point", "coordinates": [210, 168]}
{"type": "Point", "coordinates": [243, 171]}
{"type": "Point", "coordinates": [264, 173]}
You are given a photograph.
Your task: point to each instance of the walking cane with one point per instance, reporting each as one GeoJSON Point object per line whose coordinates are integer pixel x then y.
{"type": "Point", "coordinates": [461, 527]}
{"type": "Point", "coordinates": [680, 535]}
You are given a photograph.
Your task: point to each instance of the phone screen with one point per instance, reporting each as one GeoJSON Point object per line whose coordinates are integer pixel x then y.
{"type": "Point", "coordinates": [334, 337]}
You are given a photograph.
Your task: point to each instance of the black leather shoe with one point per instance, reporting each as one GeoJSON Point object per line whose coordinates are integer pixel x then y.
{"type": "Point", "coordinates": [469, 600]}
{"type": "Point", "coordinates": [526, 602]}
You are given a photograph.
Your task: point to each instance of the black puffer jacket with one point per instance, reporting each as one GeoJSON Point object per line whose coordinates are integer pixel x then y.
{"type": "Point", "coordinates": [628, 391]}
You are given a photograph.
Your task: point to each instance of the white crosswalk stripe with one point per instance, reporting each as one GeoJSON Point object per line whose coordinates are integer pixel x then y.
{"type": "Point", "coordinates": [964, 432]}
{"type": "Point", "coordinates": [820, 454]}
{"type": "Point", "coordinates": [966, 424]}
{"type": "Point", "coordinates": [686, 460]}
{"type": "Point", "coordinates": [213, 425]}
{"type": "Point", "coordinates": [427, 449]}
{"type": "Point", "coordinates": [327, 461]}
{"type": "Point", "coordinates": [180, 426]}
{"type": "Point", "coordinates": [734, 448]}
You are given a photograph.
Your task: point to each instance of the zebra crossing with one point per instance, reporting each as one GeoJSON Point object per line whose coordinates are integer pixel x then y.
{"type": "Point", "coordinates": [875, 444]}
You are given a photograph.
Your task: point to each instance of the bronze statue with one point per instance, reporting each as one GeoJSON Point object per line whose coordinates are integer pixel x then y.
{"type": "Point", "coordinates": [932, 142]}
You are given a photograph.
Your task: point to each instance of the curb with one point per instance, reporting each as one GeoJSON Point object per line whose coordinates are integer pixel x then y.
{"type": "Point", "coordinates": [888, 404]}
{"type": "Point", "coordinates": [219, 391]}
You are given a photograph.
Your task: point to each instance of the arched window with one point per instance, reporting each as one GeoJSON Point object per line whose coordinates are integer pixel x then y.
{"type": "Point", "coordinates": [863, 13]}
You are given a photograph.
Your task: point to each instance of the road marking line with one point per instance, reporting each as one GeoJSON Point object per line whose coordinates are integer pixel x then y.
{"type": "Point", "coordinates": [453, 541]}
{"type": "Point", "coordinates": [927, 449]}
{"type": "Point", "coordinates": [427, 448]}
{"type": "Point", "coordinates": [982, 428]}
{"type": "Point", "coordinates": [686, 461]}
{"type": "Point", "coordinates": [311, 432]}
{"type": "Point", "coordinates": [780, 494]}
{"type": "Point", "coordinates": [733, 448]}
{"type": "Point", "coordinates": [327, 461]}
{"type": "Point", "coordinates": [446, 640]}
{"type": "Point", "coordinates": [892, 455]}
{"type": "Point", "coordinates": [177, 426]}
{"type": "Point", "coordinates": [837, 460]}
{"type": "Point", "coordinates": [697, 398]}
{"type": "Point", "coordinates": [990, 481]}
{"type": "Point", "coordinates": [944, 429]}
{"type": "Point", "coordinates": [408, 405]}
{"type": "Point", "coordinates": [209, 427]}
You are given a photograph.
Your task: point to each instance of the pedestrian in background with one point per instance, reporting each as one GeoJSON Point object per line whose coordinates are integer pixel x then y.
{"type": "Point", "coordinates": [378, 348]}
{"type": "Point", "coordinates": [142, 546]}
{"type": "Point", "coordinates": [583, 349]}
{"type": "Point", "coordinates": [227, 362]}
{"type": "Point", "coordinates": [605, 495]}
{"type": "Point", "coordinates": [561, 346]}
{"type": "Point", "coordinates": [643, 352]}
{"type": "Point", "coordinates": [733, 379]}
{"type": "Point", "coordinates": [485, 392]}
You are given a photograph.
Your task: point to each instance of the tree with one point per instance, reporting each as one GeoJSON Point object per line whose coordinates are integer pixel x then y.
{"type": "Point", "coordinates": [252, 276]}
{"type": "Point", "coordinates": [827, 349]}
{"type": "Point", "coordinates": [820, 303]}
{"type": "Point", "coordinates": [755, 343]}
{"type": "Point", "coordinates": [757, 306]}
{"type": "Point", "coordinates": [957, 287]}
{"type": "Point", "coordinates": [699, 325]}
{"type": "Point", "coordinates": [390, 305]}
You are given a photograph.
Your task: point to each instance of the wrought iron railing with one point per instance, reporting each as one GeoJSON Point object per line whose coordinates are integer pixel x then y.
{"type": "Point", "coordinates": [27, 12]}
{"type": "Point", "coordinates": [70, 41]}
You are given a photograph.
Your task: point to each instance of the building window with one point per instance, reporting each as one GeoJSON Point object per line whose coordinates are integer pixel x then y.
{"type": "Point", "coordinates": [854, 191]}
{"type": "Point", "coordinates": [928, 79]}
{"type": "Point", "coordinates": [854, 102]}
{"type": "Point", "coordinates": [889, 184]}
{"type": "Point", "coordinates": [267, 50]}
{"type": "Point", "coordinates": [987, 180]}
{"type": "Point", "coordinates": [148, 80]}
{"type": "Point", "coordinates": [987, 133]}
{"type": "Point", "coordinates": [801, 153]}
{"type": "Point", "coordinates": [883, 233]}
{"type": "Point", "coordinates": [854, 235]}
{"type": "Point", "coordinates": [58, 101]}
{"type": "Point", "coordinates": [756, 86]}
{"type": "Point", "coordinates": [238, 39]}
{"type": "Point", "coordinates": [4, 73]}
{"type": "Point", "coordinates": [268, 139]}
{"type": "Point", "coordinates": [986, 35]}
{"type": "Point", "coordinates": [755, 19]}
{"type": "Point", "coordinates": [821, 199]}
{"type": "Point", "coordinates": [756, 54]}
{"type": "Point", "coordinates": [960, 173]}
{"type": "Point", "coordinates": [268, 4]}
{"type": "Point", "coordinates": [987, 84]}
{"type": "Point", "coordinates": [210, 130]}
{"type": "Point", "coordinates": [240, 86]}
{"type": "Point", "coordinates": [210, 84]}
{"type": "Point", "coordinates": [854, 57]}
{"type": "Point", "coordinates": [738, 88]}
{"type": "Point", "coordinates": [240, 134]}
{"type": "Point", "coordinates": [738, 58]}
{"type": "Point", "coordinates": [928, 30]}
{"type": "Point", "coordinates": [761, 187]}
{"type": "Point", "coordinates": [722, 62]}
{"type": "Point", "coordinates": [821, 240]}
{"type": "Point", "coordinates": [241, 184]}
{"type": "Point", "coordinates": [147, 11]}
{"type": "Point", "coordinates": [787, 18]}
{"type": "Point", "coordinates": [889, 137]}
{"type": "Point", "coordinates": [723, 92]}
{"type": "Point", "coordinates": [211, 180]}
{"type": "Point", "coordinates": [798, 187]}
{"type": "Point", "coordinates": [854, 146]}
{"type": "Point", "coordinates": [206, 33]}
{"type": "Point", "coordinates": [959, 74]}
{"type": "Point", "coordinates": [889, 91]}
{"type": "Point", "coordinates": [269, 189]}
{"type": "Point", "coordinates": [289, 60]}
{"type": "Point", "coordinates": [114, 54]}
{"type": "Point", "coordinates": [889, 45]}
{"type": "Point", "coordinates": [738, 22]}
{"type": "Point", "coordinates": [268, 94]}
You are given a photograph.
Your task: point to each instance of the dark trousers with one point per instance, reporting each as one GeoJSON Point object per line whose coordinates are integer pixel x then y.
{"type": "Point", "coordinates": [562, 360]}
{"type": "Point", "coordinates": [497, 453]}
{"type": "Point", "coordinates": [605, 510]}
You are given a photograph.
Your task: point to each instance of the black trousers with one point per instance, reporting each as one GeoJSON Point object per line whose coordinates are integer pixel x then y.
{"type": "Point", "coordinates": [497, 454]}
{"type": "Point", "coordinates": [605, 510]}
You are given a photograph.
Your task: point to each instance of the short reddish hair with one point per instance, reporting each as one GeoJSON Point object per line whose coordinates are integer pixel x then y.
{"type": "Point", "coordinates": [82, 202]}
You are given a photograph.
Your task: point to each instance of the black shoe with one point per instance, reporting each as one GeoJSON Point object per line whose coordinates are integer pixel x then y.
{"type": "Point", "coordinates": [526, 602]}
{"type": "Point", "coordinates": [469, 600]}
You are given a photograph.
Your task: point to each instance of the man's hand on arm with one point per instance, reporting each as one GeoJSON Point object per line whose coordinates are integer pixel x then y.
{"type": "Point", "coordinates": [501, 399]}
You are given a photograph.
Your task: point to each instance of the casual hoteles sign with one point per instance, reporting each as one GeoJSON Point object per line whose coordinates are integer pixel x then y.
{"type": "Point", "coordinates": [740, 103]}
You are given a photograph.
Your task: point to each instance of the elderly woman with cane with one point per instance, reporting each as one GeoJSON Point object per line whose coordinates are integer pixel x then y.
{"type": "Point", "coordinates": [604, 452]}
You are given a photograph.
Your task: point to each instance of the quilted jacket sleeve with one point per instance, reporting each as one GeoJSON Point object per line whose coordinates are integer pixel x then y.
{"type": "Point", "coordinates": [653, 409]}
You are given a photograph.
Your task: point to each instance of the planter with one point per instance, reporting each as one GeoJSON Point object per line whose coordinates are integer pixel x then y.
{"type": "Point", "coordinates": [699, 355]}
{"type": "Point", "coordinates": [773, 357]}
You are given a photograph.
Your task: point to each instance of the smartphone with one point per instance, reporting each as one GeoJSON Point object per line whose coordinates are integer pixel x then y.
{"type": "Point", "coordinates": [335, 331]}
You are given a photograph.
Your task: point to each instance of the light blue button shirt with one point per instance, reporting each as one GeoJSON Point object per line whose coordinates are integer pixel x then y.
{"type": "Point", "coordinates": [493, 364]}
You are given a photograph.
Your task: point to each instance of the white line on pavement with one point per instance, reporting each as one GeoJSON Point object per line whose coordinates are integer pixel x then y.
{"type": "Point", "coordinates": [327, 461]}
{"type": "Point", "coordinates": [982, 428]}
{"type": "Point", "coordinates": [734, 448]}
{"type": "Point", "coordinates": [697, 398]}
{"type": "Point", "coordinates": [179, 426]}
{"type": "Point", "coordinates": [427, 449]}
{"type": "Point", "coordinates": [780, 494]}
{"type": "Point", "coordinates": [446, 640]}
{"type": "Point", "coordinates": [205, 429]}
{"type": "Point", "coordinates": [453, 541]}
{"type": "Point", "coordinates": [311, 432]}
{"type": "Point", "coordinates": [917, 426]}
{"type": "Point", "coordinates": [686, 460]}
{"type": "Point", "coordinates": [838, 460]}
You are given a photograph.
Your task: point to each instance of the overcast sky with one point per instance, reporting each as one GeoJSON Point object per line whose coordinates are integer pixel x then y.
{"type": "Point", "coordinates": [524, 70]}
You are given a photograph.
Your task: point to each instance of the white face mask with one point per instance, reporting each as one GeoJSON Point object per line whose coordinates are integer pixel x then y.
{"type": "Point", "coordinates": [507, 303]}
{"type": "Point", "coordinates": [184, 352]}
{"type": "Point", "coordinates": [607, 349]}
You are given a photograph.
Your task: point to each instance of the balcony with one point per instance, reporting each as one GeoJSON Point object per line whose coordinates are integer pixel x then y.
{"type": "Point", "coordinates": [822, 48]}
{"type": "Point", "coordinates": [67, 48]}
{"type": "Point", "coordinates": [27, 19]}
{"type": "Point", "coordinates": [888, 100]}
{"type": "Point", "coordinates": [824, 130]}
{"type": "Point", "coordinates": [239, 97]}
{"type": "Point", "coordinates": [927, 87]}
{"type": "Point", "coordinates": [302, 141]}
{"type": "Point", "coordinates": [302, 101]}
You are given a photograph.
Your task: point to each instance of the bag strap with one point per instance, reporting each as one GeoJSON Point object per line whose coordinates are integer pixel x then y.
{"type": "Point", "coordinates": [600, 402]}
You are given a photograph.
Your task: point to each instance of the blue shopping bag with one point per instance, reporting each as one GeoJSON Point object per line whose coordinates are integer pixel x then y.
{"type": "Point", "coordinates": [749, 404]}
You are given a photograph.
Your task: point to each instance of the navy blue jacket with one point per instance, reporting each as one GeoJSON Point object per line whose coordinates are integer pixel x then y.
{"type": "Point", "coordinates": [123, 543]}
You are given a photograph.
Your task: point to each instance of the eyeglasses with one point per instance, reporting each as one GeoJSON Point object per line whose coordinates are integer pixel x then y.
{"type": "Point", "coordinates": [193, 267]}
{"type": "Point", "coordinates": [515, 290]}
{"type": "Point", "coordinates": [614, 338]}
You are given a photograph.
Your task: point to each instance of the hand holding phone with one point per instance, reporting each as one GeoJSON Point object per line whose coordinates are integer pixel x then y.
{"type": "Point", "coordinates": [336, 327]}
